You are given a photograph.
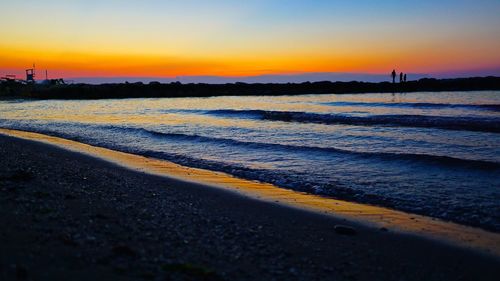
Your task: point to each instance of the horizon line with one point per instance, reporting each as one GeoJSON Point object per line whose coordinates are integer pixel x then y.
{"type": "Point", "coordinates": [275, 78]}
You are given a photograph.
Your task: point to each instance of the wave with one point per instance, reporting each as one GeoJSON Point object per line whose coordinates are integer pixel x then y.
{"type": "Point", "coordinates": [421, 121]}
{"type": "Point", "coordinates": [423, 105]}
{"type": "Point", "coordinates": [434, 159]}
{"type": "Point", "coordinates": [417, 201]}
{"type": "Point", "coordinates": [388, 156]}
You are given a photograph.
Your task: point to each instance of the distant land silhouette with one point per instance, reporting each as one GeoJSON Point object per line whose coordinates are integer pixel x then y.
{"type": "Point", "coordinates": [176, 89]}
{"type": "Point", "coordinates": [292, 78]}
{"type": "Point", "coordinates": [270, 78]}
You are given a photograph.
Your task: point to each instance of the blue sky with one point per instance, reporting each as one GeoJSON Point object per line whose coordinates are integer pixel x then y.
{"type": "Point", "coordinates": [194, 37]}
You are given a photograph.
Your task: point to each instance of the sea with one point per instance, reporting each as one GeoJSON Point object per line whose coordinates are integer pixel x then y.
{"type": "Point", "coordinates": [430, 153]}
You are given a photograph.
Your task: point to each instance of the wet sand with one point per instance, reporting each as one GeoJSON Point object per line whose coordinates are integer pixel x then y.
{"type": "Point", "coordinates": [448, 232]}
{"type": "Point", "coordinates": [65, 215]}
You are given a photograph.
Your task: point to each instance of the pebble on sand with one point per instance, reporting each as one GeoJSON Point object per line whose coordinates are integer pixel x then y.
{"type": "Point", "coordinates": [345, 230]}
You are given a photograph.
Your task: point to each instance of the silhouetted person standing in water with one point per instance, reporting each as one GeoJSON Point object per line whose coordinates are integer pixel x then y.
{"type": "Point", "coordinates": [401, 77]}
{"type": "Point", "coordinates": [393, 74]}
{"type": "Point", "coordinates": [404, 78]}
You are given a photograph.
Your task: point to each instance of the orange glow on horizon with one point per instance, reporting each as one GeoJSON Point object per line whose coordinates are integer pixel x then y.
{"type": "Point", "coordinates": [79, 64]}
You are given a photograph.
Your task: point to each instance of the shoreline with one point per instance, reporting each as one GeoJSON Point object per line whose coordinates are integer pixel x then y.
{"type": "Point", "coordinates": [56, 90]}
{"type": "Point", "coordinates": [66, 215]}
{"type": "Point", "coordinates": [368, 215]}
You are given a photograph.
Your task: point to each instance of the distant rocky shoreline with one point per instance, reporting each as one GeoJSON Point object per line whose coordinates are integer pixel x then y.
{"type": "Point", "coordinates": [49, 90]}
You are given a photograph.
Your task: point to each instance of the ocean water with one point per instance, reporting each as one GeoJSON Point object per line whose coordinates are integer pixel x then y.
{"type": "Point", "coordinates": [436, 154]}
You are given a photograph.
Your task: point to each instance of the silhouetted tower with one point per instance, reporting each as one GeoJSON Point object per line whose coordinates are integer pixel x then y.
{"type": "Point", "coordinates": [30, 75]}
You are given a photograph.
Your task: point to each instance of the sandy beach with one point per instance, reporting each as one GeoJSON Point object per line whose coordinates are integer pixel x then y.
{"type": "Point", "coordinates": [250, 140]}
{"type": "Point", "coordinates": [70, 216]}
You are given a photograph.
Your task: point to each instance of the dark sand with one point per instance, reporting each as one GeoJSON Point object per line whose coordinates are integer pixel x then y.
{"type": "Point", "coordinates": [66, 216]}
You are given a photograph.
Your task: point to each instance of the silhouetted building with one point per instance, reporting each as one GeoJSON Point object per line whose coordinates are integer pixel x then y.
{"type": "Point", "coordinates": [30, 75]}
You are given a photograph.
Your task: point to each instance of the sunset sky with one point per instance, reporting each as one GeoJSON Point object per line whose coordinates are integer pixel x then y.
{"type": "Point", "coordinates": [152, 38]}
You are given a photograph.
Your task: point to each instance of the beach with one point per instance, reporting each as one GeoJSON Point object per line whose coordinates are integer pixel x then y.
{"type": "Point", "coordinates": [69, 216]}
{"type": "Point", "coordinates": [225, 140]}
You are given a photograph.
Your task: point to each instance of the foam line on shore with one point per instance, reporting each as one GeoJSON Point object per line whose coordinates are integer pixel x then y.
{"type": "Point", "coordinates": [448, 232]}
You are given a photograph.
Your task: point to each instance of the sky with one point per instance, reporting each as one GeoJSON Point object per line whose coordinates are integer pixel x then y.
{"type": "Point", "coordinates": [150, 38]}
